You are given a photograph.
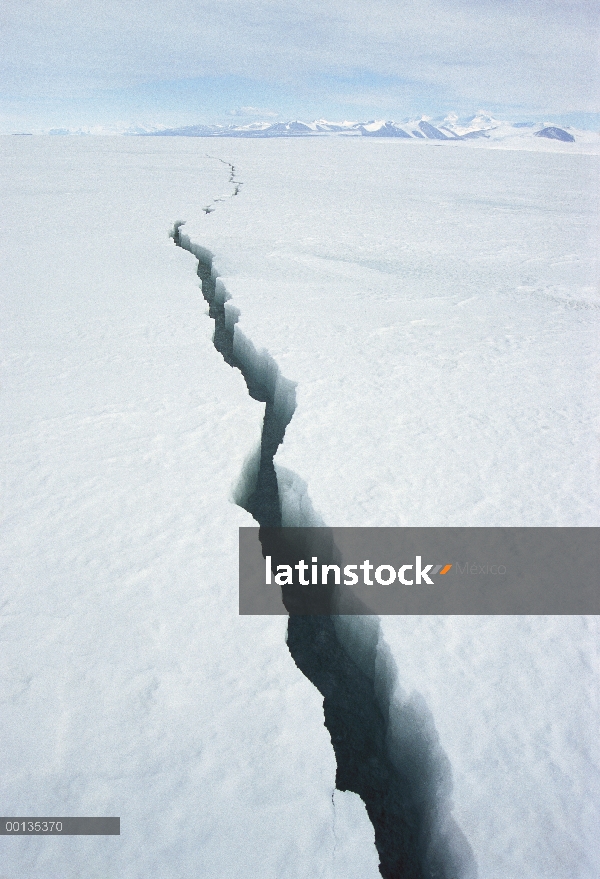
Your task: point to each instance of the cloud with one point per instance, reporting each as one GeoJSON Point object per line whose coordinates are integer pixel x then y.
{"type": "Point", "coordinates": [531, 53]}
{"type": "Point", "coordinates": [253, 111]}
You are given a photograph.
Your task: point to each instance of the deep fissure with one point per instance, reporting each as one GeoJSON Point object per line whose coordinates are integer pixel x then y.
{"type": "Point", "coordinates": [387, 750]}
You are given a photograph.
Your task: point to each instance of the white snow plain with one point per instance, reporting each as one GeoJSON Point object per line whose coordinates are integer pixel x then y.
{"type": "Point", "coordinates": [437, 306]}
{"type": "Point", "coordinates": [129, 685]}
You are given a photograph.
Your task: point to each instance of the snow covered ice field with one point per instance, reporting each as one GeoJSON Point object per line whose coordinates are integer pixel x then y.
{"type": "Point", "coordinates": [438, 308]}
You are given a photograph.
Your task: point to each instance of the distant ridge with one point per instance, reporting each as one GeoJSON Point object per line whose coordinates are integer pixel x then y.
{"type": "Point", "coordinates": [447, 129]}
{"type": "Point", "coordinates": [450, 128]}
{"type": "Point", "coordinates": [555, 133]}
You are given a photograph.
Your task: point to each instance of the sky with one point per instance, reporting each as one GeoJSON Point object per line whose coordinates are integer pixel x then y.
{"type": "Point", "coordinates": [71, 63]}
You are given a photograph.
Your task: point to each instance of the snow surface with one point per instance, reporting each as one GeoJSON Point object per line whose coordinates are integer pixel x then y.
{"type": "Point", "coordinates": [129, 685]}
{"type": "Point", "coordinates": [438, 309]}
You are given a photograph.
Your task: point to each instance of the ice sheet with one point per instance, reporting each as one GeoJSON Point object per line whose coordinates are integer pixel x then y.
{"type": "Point", "coordinates": [129, 685]}
{"type": "Point", "coordinates": [438, 310]}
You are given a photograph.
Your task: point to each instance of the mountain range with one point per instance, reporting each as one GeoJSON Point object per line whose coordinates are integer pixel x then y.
{"type": "Point", "coordinates": [448, 128]}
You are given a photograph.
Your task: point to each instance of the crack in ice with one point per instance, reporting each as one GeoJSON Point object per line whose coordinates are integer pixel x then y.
{"type": "Point", "coordinates": [237, 184]}
{"type": "Point", "coordinates": [387, 749]}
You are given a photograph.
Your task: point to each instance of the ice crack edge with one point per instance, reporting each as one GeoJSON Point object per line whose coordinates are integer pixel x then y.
{"type": "Point", "coordinates": [237, 184]}
{"type": "Point", "coordinates": [386, 745]}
